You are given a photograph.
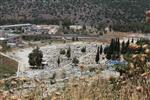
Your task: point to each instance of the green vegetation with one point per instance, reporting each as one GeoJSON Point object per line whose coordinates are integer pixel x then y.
{"type": "Point", "coordinates": [6, 71]}
{"type": "Point", "coordinates": [58, 61]}
{"type": "Point", "coordinates": [121, 15]}
{"type": "Point", "coordinates": [68, 54]}
{"type": "Point", "coordinates": [5, 48]}
{"type": "Point", "coordinates": [83, 50]}
{"type": "Point", "coordinates": [62, 51]}
{"type": "Point", "coordinates": [113, 50]}
{"type": "Point", "coordinates": [75, 61]}
{"type": "Point", "coordinates": [97, 56]}
{"type": "Point", "coordinates": [35, 58]}
{"type": "Point", "coordinates": [36, 37]}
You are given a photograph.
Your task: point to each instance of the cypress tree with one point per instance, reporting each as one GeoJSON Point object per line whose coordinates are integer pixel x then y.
{"type": "Point", "coordinates": [101, 49]}
{"type": "Point", "coordinates": [108, 56]}
{"type": "Point", "coordinates": [111, 47]}
{"type": "Point", "coordinates": [123, 48]}
{"type": "Point", "coordinates": [118, 45]}
{"type": "Point", "coordinates": [68, 53]}
{"type": "Point", "coordinates": [106, 49]}
{"type": "Point", "coordinates": [58, 61]}
{"type": "Point", "coordinates": [97, 56]}
{"type": "Point", "coordinates": [128, 43]}
{"type": "Point", "coordinates": [132, 40]}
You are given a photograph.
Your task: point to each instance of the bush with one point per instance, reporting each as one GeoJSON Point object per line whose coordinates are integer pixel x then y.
{"type": "Point", "coordinates": [121, 68]}
{"type": "Point", "coordinates": [83, 50]}
{"type": "Point", "coordinates": [75, 61]}
{"type": "Point", "coordinates": [62, 52]}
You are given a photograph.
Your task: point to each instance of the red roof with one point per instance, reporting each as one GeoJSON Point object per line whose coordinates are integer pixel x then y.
{"type": "Point", "coordinates": [148, 13]}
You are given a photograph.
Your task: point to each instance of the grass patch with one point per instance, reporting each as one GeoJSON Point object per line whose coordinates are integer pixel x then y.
{"type": "Point", "coordinates": [6, 71]}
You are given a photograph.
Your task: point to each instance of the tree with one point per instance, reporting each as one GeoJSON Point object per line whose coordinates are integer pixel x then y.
{"type": "Point", "coordinates": [118, 45]}
{"type": "Point", "coordinates": [35, 58]}
{"type": "Point", "coordinates": [83, 50]}
{"type": "Point", "coordinates": [128, 43]}
{"type": "Point", "coordinates": [62, 52]}
{"type": "Point", "coordinates": [73, 38]}
{"type": "Point", "coordinates": [132, 40]}
{"type": "Point", "coordinates": [77, 39]}
{"type": "Point", "coordinates": [97, 56]}
{"type": "Point", "coordinates": [108, 56]}
{"type": "Point", "coordinates": [68, 53]}
{"type": "Point", "coordinates": [123, 48]}
{"type": "Point", "coordinates": [101, 50]}
{"type": "Point", "coordinates": [58, 61]}
{"type": "Point", "coordinates": [75, 61]}
{"type": "Point", "coordinates": [84, 27]}
{"type": "Point", "coordinates": [106, 49]}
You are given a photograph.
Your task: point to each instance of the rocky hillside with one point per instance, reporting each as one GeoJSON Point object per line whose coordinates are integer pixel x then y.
{"type": "Point", "coordinates": [88, 12]}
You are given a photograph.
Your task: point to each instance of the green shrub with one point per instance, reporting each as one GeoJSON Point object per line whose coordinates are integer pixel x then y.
{"type": "Point", "coordinates": [62, 52]}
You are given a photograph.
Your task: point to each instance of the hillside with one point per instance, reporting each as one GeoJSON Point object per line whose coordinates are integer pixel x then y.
{"type": "Point", "coordinates": [88, 12]}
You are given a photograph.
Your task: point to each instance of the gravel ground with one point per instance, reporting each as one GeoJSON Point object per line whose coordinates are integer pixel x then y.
{"type": "Point", "coordinates": [51, 54]}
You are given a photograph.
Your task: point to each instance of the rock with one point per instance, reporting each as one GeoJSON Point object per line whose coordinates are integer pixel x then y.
{"type": "Point", "coordinates": [134, 56]}
{"type": "Point", "coordinates": [139, 88]}
{"type": "Point", "coordinates": [145, 75]}
{"type": "Point", "coordinates": [37, 80]}
{"type": "Point", "coordinates": [124, 82]}
{"type": "Point", "coordinates": [53, 81]}
{"type": "Point", "coordinates": [23, 79]}
{"type": "Point", "coordinates": [145, 46]}
{"type": "Point", "coordinates": [75, 85]}
{"type": "Point", "coordinates": [148, 64]}
{"type": "Point", "coordinates": [2, 82]}
{"type": "Point", "coordinates": [147, 51]}
{"type": "Point", "coordinates": [106, 74]}
{"type": "Point", "coordinates": [131, 65]}
{"type": "Point", "coordinates": [58, 93]}
{"type": "Point", "coordinates": [4, 95]}
{"type": "Point", "coordinates": [13, 97]}
{"type": "Point", "coordinates": [13, 82]}
{"type": "Point", "coordinates": [142, 59]}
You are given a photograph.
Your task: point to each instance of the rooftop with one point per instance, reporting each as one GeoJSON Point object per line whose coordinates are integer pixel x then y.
{"type": "Point", "coordinates": [15, 25]}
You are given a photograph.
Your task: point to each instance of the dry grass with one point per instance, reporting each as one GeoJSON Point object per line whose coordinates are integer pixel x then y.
{"type": "Point", "coordinates": [99, 89]}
